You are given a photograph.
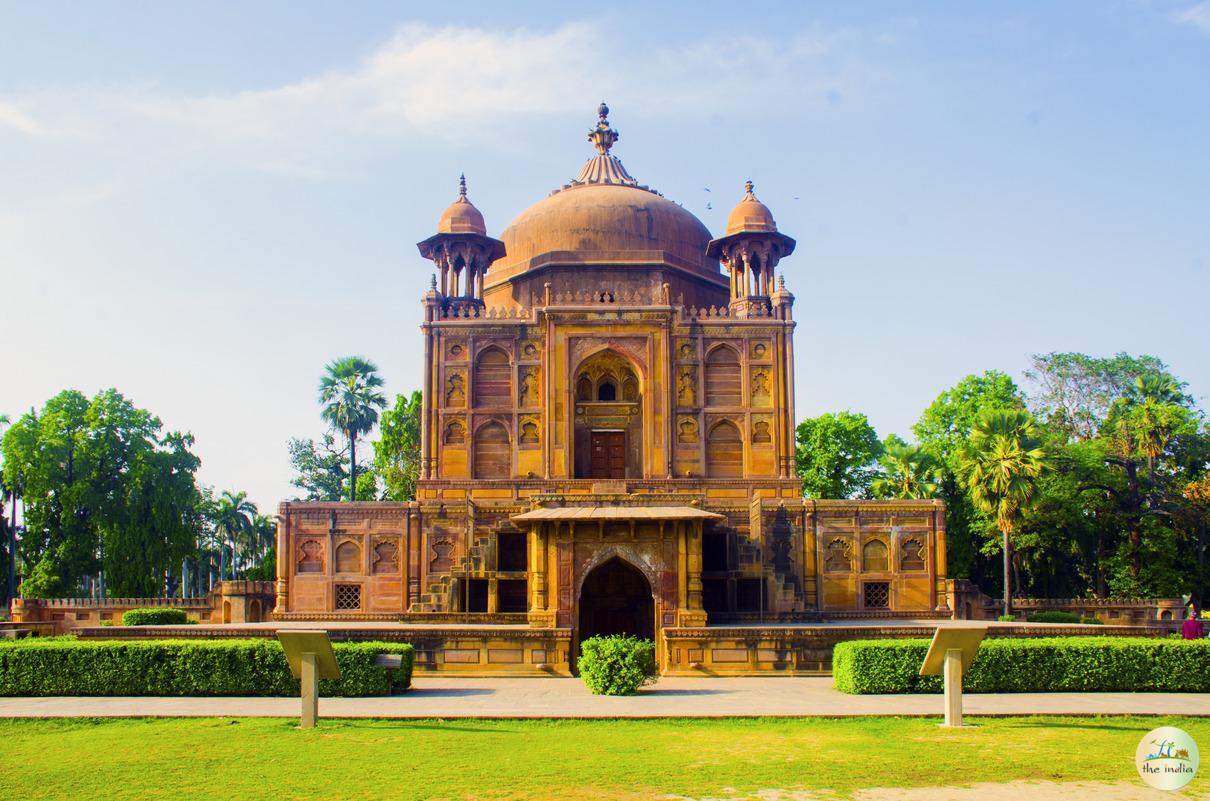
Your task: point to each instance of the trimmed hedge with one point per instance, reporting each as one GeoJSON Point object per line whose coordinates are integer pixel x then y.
{"type": "Point", "coordinates": [155, 616]}
{"type": "Point", "coordinates": [34, 667]}
{"type": "Point", "coordinates": [1024, 665]}
{"type": "Point", "coordinates": [1052, 616]}
{"type": "Point", "coordinates": [617, 665]}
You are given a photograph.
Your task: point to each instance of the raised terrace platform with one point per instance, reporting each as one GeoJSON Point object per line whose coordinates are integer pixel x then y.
{"type": "Point", "coordinates": [472, 649]}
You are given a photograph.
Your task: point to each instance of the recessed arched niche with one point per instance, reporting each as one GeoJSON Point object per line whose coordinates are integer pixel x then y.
{"type": "Point", "coordinates": [608, 432]}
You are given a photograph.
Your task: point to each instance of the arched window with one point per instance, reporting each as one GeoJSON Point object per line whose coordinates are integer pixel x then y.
{"type": "Point", "coordinates": [630, 388]}
{"type": "Point", "coordinates": [874, 557]}
{"type": "Point", "coordinates": [724, 451]}
{"type": "Point", "coordinates": [584, 388]}
{"type": "Point", "coordinates": [607, 391]}
{"type": "Point", "coordinates": [492, 453]}
{"type": "Point", "coordinates": [723, 377]}
{"type": "Point", "coordinates": [492, 384]}
{"type": "Point", "coordinates": [348, 558]}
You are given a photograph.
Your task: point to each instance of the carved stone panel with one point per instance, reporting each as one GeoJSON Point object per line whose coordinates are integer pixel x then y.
{"type": "Point", "coordinates": [530, 387]}
{"type": "Point", "coordinates": [686, 430]}
{"type": "Point", "coordinates": [455, 389]}
{"type": "Point", "coordinates": [686, 387]}
{"type": "Point", "coordinates": [310, 557]}
{"type": "Point", "coordinates": [442, 561]}
{"type": "Point", "coordinates": [385, 556]}
{"type": "Point", "coordinates": [455, 432]}
{"type": "Point", "coordinates": [762, 389]}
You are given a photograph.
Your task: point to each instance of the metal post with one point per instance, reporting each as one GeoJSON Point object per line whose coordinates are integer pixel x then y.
{"type": "Point", "coordinates": [953, 688]}
{"type": "Point", "coordinates": [310, 691]}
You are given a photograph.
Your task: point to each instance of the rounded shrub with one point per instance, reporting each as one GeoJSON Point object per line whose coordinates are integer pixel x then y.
{"type": "Point", "coordinates": [155, 616]}
{"type": "Point", "coordinates": [1006, 618]}
{"type": "Point", "coordinates": [617, 665]}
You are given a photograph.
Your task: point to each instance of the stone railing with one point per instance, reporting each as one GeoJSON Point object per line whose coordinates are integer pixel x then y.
{"type": "Point", "coordinates": [969, 602]}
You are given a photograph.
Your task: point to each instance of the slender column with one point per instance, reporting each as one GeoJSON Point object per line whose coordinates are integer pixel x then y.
{"type": "Point", "coordinates": [694, 561]}
{"type": "Point", "coordinates": [427, 404]}
{"type": "Point", "coordinates": [682, 572]}
{"type": "Point", "coordinates": [537, 567]}
{"type": "Point", "coordinates": [283, 561]}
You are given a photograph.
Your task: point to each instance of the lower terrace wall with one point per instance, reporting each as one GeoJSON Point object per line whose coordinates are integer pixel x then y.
{"type": "Point", "coordinates": [493, 650]}
{"type": "Point", "coordinates": [227, 602]}
{"type": "Point", "coordinates": [970, 603]}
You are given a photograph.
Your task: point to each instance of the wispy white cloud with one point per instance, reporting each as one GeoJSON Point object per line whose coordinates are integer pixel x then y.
{"type": "Point", "coordinates": [456, 83]}
{"type": "Point", "coordinates": [1197, 15]}
{"type": "Point", "coordinates": [14, 118]}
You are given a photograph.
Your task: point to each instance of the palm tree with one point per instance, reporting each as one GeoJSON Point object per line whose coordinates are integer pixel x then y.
{"type": "Point", "coordinates": [1154, 412]}
{"type": "Point", "coordinates": [349, 393]}
{"type": "Point", "coordinates": [263, 535]}
{"type": "Point", "coordinates": [909, 472]}
{"type": "Point", "coordinates": [999, 465]}
{"type": "Point", "coordinates": [232, 521]}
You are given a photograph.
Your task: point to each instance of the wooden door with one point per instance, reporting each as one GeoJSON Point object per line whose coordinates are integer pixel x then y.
{"type": "Point", "coordinates": [608, 454]}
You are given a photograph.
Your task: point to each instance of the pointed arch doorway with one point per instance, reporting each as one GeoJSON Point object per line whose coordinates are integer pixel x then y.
{"type": "Point", "coordinates": [616, 598]}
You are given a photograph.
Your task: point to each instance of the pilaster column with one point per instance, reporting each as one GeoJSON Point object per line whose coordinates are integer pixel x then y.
{"type": "Point", "coordinates": [539, 614]}
{"type": "Point", "coordinates": [695, 565]}
{"type": "Point", "coordinates": [284, 551]}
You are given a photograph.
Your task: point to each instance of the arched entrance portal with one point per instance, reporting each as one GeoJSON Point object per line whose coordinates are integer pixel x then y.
{"type": "Point", "coordinates": [616, 599]}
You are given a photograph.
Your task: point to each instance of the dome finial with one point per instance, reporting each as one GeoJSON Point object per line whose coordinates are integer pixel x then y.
{"type": "Point", "coordinates": [462, 186]}
{"type": "Point", "coordinates": [603, 137]}
{"type": "Point", "coordinates": [748, 187]}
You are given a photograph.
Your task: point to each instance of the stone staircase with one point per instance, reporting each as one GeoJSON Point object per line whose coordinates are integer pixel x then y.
{"type": "Point", "coordinates": [438, 595]}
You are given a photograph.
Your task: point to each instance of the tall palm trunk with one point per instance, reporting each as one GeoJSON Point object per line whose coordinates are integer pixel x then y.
{"type": "Point", "coordinates": [352, 465]}
{"type": "Point", "coordinates": [1008, 597]}
{"type": "Point", "coordinates": [12, 554]}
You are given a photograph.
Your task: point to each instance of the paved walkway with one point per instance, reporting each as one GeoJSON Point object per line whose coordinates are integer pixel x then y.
{"type": "Point", "coordinates": [447, 697]}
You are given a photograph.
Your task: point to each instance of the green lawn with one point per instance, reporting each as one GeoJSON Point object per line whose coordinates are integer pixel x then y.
{"type": "Point", "coordinates": [249, 758]}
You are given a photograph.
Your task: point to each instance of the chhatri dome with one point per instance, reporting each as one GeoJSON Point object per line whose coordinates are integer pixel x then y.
{"type": "Point", "coordinates": [461, 217]}
{"type": "Point", "coordinates": [604, 216]}
{"type": "Point", "coordinates": [750, 215]}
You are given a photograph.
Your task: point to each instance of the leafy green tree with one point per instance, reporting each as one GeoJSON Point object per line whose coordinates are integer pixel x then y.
{"type": "Point", "coordinates": [908, 472]}
{"type": "Point", "coordinates": [942, 431]}
{"type": "Point", "coordinates": [1073, 392]}
{"type": "Point", "coordinates": [397, 451]}
{"type": "Point", "coordinates": [318, 468]}
{"type": "Point", "coordinates": [104, 493]}
{"type": "Point", "coordinates": [1000, 466]}
{"type": "Point", "coordinates": [837, 455]}
{"type": "Point", "coordinates": [349, 392]}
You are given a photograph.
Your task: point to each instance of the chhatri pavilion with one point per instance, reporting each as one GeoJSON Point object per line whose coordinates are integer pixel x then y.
{"type": "Point", "coordinates": [608, 447]}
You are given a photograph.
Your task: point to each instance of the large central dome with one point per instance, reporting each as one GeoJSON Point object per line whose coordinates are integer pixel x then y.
{"type": "Point", "coordinates": [604, 218]}
{"type": "Point", "coordinates": [604, 223]}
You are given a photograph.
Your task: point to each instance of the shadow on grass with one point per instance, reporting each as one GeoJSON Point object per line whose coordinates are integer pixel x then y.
{"type": "Point", "coordinates": [383, 724]}
{"type": "Point", "coordinates": [1090, 724]}
{"type": "Point", "coordinates": [672, 693]}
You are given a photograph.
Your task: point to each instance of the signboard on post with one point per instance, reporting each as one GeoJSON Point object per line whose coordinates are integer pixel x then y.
{"type": "Point", "coordinates": [950, 655]}
{"type": "Point", "coordinates": [311, 658]}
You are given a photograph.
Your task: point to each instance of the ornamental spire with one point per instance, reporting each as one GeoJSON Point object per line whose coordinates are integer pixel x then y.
{"type": "Point", "coordinates": [603, 137]}
{"type": "Point", "coordinates": [462, 186]}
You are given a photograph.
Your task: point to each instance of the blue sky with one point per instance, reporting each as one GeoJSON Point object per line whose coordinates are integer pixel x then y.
{"type": "Point", "coordinates": [200, 204]}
